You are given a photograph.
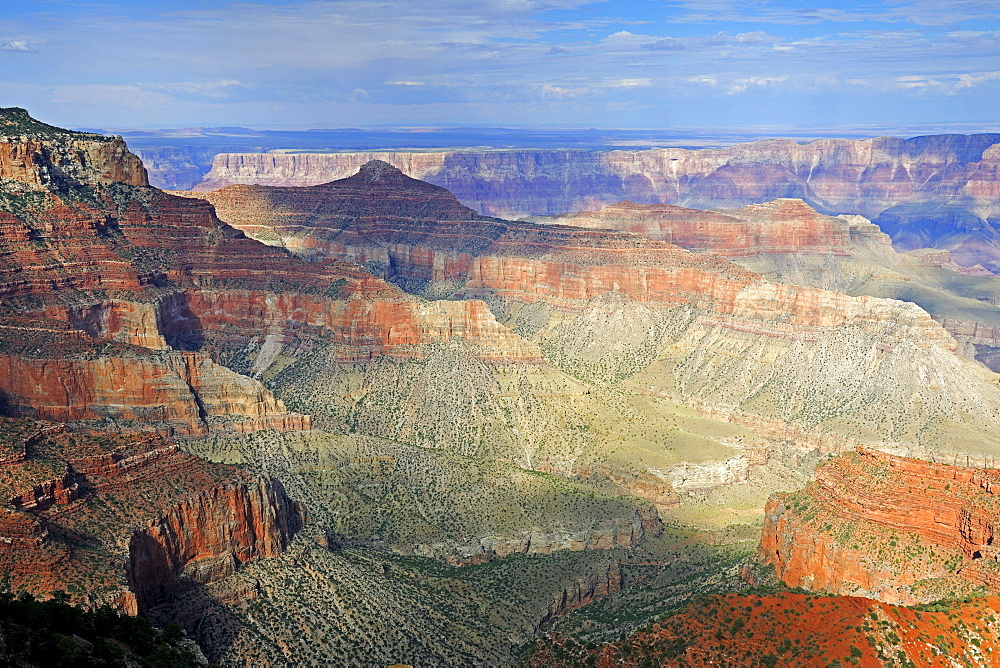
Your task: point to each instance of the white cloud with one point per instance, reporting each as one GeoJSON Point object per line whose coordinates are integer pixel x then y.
{"type": "Point", "coordinates": [665, 44]}
{"type": "Point", "coordinates": [629, 83]}
{"type": "Point", "coordinates": [941, 84]}
{"type": "Point", "coordinates": [570, 90]}
{"type": "Point", "coordinates": [18, 45]}
{"type": "Point", "coordinates": [706, 80]}
{"type": "Point", "coordinates": [756, 37]}
{"type": "Point", "coordinates": [970, 80]}
{"type": "Point", "coordinates": [919, 12]}
{"type": "Point", "coordinates": [737, 85]}
{"type": "Point", "coordinates": [216, 89]}
{"type": "Point", "coordinates": [743, 85]}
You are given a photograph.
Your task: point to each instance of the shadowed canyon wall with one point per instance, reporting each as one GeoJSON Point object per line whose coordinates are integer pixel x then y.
{"type": "Point", "coordinates": [205, 539]}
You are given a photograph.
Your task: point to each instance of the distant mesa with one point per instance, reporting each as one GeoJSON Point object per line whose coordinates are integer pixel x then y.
{"type": "Point", "coordinates": [937, 190]}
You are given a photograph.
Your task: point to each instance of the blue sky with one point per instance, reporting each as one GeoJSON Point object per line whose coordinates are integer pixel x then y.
{"type": "Point", "coordinates": [812, 65]}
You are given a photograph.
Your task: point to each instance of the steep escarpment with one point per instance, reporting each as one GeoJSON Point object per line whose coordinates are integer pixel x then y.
{"type": "Point", "coordinates": [779, 226]}
{"type": "Point", "coordinates": [205, 539]}
{"type": "Point", "coordinates": [939, 191]}
{"type": "Point", "coordinates": [42, 156]}
{"type": "Point", "coordinates": [419, 236]}
{"type": "Point", "coordinates": [71, 504]}
{"type": "Point", "coordinates": [679, 325]}
{"type": "Point", "coordinates": [896, 529]}
{"type": "Point", "coordinates": [134, 388]}
{"type": "Point", "coordinates": [788, 241]}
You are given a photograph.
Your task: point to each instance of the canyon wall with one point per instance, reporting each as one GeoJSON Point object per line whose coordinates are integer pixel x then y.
{"type": "Point", "coordinates": [198, 521]}
{"type": "Point", "coordinates": [809, 366]}
{"type": "Point", "coordinates": [205, 539]}
{"type": "Point", "coordinates": [42, 156]}
{"type": "Point", "coordinates": [886, 527]}
{"type": "Point", "coordinates": [119, 293]}
{"type": "Point", "coordinates": [927, 191]}
{"type": "Point", "coordinates": [778, 226]}
{"type": "Point", "coordinates": [602, 535]}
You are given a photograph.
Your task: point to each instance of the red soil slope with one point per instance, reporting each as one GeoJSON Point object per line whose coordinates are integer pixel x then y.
{"type": "Point", "coordinates": [797, 630]}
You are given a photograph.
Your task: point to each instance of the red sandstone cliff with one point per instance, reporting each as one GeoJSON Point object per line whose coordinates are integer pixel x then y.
{"type": "Point", "coordinates": [887, 527]}
{"type": "Point", "coordinates": [100, 272]}
{"type": "Point", "coordinates": [177, 391]}
{"type": "Point", "coordinates": [779, 226]}
{"type": "Point", "coordinates": [71, 505]}
{"type": "Point", "coordinates": [420, 236]}
{"type": "Point", "coordinates": [205, 539]}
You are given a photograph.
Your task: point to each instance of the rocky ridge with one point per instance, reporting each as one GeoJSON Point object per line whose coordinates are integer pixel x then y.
{"type": "Point", "coordinates": [787, 241]}
{"type": "Point", "coordinates": [158, 283]}
{"type": "Point", "coordinates": [42, 156]}
{"type": "Point", "coordinates": [778, 226]}
{"type": "Point", "coordinates": [717, 336]}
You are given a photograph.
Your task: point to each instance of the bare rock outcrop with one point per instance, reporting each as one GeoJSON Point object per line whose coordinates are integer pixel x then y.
{"type": "Point", "coordinates": [73, 504]}
{"type": "Point", "coordinates": [178, 392]}
{"type": "Point", "coordinates": [42, 156]}
{"type": "Point", "coordinates": [205, 539]}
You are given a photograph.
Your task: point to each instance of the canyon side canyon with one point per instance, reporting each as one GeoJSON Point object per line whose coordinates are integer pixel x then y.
{"type": "Point", "coordinates": [355, 421]}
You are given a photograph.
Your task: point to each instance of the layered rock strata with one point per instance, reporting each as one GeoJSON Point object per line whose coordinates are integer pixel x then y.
{"type": "Point", "coordinates": [619, 532]}
{"type": "Point", "coordinates": [418, 234]}
{"type": "Point", "coordinates": [72, 504]}
{"type": "Point", "coordinates": [886, 527]}
{"type": "Point", "coordinates": [105, 281]}
{"type": "Point", "coordinates": [789, 241]}
{"type": "Point", "coordinates": [42, 156]}
{"type": "Point", "coordinates": [205, 539]}
{"type": "Point", "coordinates": [939, 191]}
{"type": "Point", "coordinates": [182, 392]}
{"type": "Point", "coordinates": [780, 226]}
{"type": "Point", "coordinates": [706, 332]}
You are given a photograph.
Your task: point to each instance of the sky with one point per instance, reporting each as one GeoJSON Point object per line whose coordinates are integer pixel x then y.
{"type": "Point", "coordinates": [899, 65]}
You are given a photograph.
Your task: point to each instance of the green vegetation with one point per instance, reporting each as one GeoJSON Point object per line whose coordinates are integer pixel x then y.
{"type": "Point", "coordinates": [37, 633]}
{"type": "Point", "coordinates": [430, 502]}
{"type": "Point", "coordinates": [15, 122]}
